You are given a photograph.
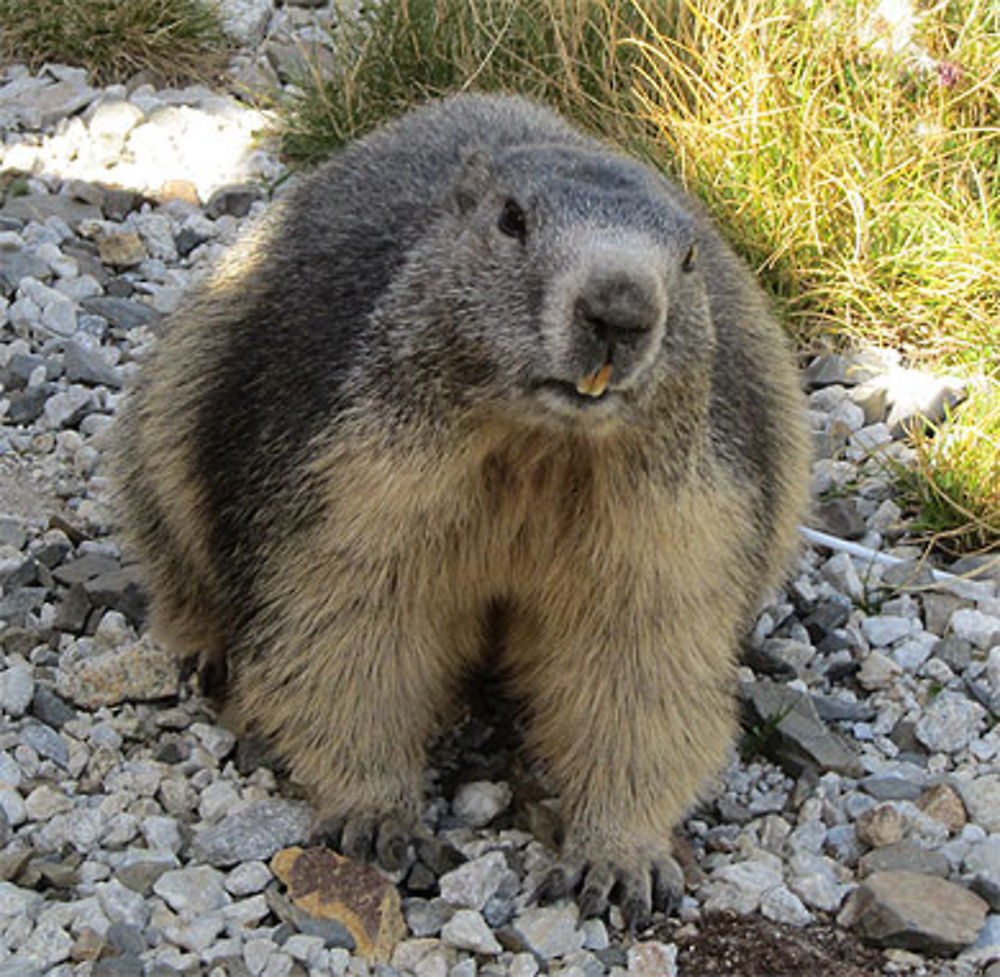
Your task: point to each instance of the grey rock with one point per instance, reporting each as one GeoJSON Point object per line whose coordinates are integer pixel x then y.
{"type": "Point", "coordinates": [17, 263]}
{"type": "Point", "coordinates": [835, 709]}
{"type": "Point", "coordinates": [802, 740]}
{"type": "Point", "coordinates": [982, 630]}
{"type": "Point", "coordinates": [119, 590]}
{"type": "Point", "coordinates": [915, 912]}
{"type": "Point", "coordinates": [981, 797]}
{"type": "Point", "coordinates": [332, 932]}
{"type": "Point", "coordinates": [467, 930]}
{"type": "Point", "coordinates": [893, 786]}
{"type": "Point", "coordinates": [549, 931]}
{"type": "Point", "coordinates": [949, 722]}
{"type": "Point", "coordinates": [73, 610]}
{"type": "Point", "coordinates": [140, 868]}
{"type": "Point", "coordinates": [886, 629]}
{"type": "Point", "coordinates": [84, 568]}
{"type": "Point", "coordinates": [425, 917]}
{"type": "Point", "coordinates": [840, 517]}
{"type": "Point", "coordinates": [253, 834]}
{"type": "Point", "coordinates": [121, 313]}
{"type": "Point", "coordinates": [472, 884]}
{"type": "Point", "coordinates": [121, 904]}
{"type": "Point", "coordinates": [89, 367]}
{"type": "Point", "coordinates": [26, 406]}
{"type": "Point", "coordinates": [67, 408]}
{"type": "Point", "coordinates": [38, 207]}
{"type": "Point", "coordinates": [49, 709]}
{"type": "Point", "coordinates": [192, 891]}
{"type": "Point", "coordinates": [46, 742]}
{"type": "Point", "coordinates": [12, 532]}
{"type": "Point", "coordinates": [236, 201]}
{"type": "Point", "coordinates": [123, 965]}
{"type": "Point", "coordinates": [17, 688]}
{"type": "Point", "coordinates": [904, 856]}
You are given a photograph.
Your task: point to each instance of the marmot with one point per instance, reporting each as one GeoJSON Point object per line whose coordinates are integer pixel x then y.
{"type": "Point", "coordinates": [476, 368]}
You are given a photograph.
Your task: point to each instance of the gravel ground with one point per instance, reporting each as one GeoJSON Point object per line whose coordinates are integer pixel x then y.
{"type": "Point", "coordinates": [857, 829]}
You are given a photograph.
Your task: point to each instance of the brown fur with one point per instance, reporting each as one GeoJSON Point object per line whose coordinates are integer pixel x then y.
{"type": "Point", "coordinates": [628, 560]}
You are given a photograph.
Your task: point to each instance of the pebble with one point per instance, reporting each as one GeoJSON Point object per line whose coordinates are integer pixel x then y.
{"type": "Point", "coordinates": [472, 884]}
{"type": "Point", "coordinates": [949, 722]}
{"type": "Point", "coordinates": [467, 930]}
{"type": "Point", "coordinates": [549, 931]}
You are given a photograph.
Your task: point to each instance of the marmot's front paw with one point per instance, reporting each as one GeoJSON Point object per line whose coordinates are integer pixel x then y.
{"type": "Point", "coordinates": [383, 838]}
{"type": "Point", "coordinates": [658, 885]}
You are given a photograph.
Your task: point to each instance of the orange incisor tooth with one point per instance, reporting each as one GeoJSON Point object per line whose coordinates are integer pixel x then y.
{"type": "Point", "coordinates": [594, 384]}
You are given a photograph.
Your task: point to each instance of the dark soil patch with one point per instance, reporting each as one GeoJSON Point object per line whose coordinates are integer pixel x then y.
{"type": "Point", "coordinates": [751, 946]}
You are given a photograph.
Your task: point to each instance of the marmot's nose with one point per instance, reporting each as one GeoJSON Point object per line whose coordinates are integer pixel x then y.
{"type": "Point", "coordinates": [617, 310]}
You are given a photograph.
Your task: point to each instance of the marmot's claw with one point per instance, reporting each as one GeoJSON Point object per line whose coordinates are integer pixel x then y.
{"type": "Point", "coordinates": [559, 882]}
{"type": "Point", "coordinates": [439, 856]}
{"type": "Point", "coordinates": [638, 892]}
{"type": "Point", "coordinates": [596, 889]}
{"type": "Point", "coordinates": [668, 885]}
{"type": "Point", "coordinates": [636, 900]}
{"type": "Point", "coordinates": [327, 833]}
{"type": "Point", "coordinates": [358, 839]}
{"type": "Point", "coordinates": [392, 842]}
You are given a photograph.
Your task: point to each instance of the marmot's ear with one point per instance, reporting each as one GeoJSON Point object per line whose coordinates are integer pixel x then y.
{"type": "Point", "coordinates": [473, 177]}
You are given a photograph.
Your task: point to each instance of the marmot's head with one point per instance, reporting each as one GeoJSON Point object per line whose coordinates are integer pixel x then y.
{"type": "Point", "coordinates": [568, 283]}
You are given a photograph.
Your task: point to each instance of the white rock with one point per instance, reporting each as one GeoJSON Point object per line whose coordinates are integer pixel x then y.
{"type": "Point", "coordinates": [841, 573]}
{"type": "Point", "coordinates": [121, 904]}
{"type": "Point", "coordinates": [886, 630]}
{"type": "Point", "coordinates": [15, 901]}
{"type": "Point", "coordinates": [467, 930]}
{"type": "Point", "coordinates": [13, 806]}
{"type": "Point", "coordinates": [248, 879]}
{"type": "Point", "coordinates": [949, 722]}
{"type": "Point", "coordinates": [478, 803]}
{"type": "Point", "coordinates": [60, 407]}
{"type": "Point", "coordinates": [10, 772]}
{"type": "Point", "coordinates": [162, 833]}
{"type": "Point", "coordinates": [993, 669]}
{"type": "Point", "coordinates": [981, 796]}
{"type": "Point", "coordinates": [550, 931]}
{"type": "Point", "coordinates": [651, 958]}
{"type": "Point", "coordinates": [783, 906]}
{"type": "Point", "coordinates": [114, 119]}
{"type": "Point", "coordinates": [983, 630]}
{"type": "Point", "coordinates": [256, 954]}
{"type": "Point", "coordinates": [218, 800]}
{"type": "Point", "coordinates": [47, 946]}
{"type": "Point", "coordinates": [192, 891]}
{"type": "Point", "coordinates": [472, 883]}
{"type": "Point", "coordinates": [17, 689]}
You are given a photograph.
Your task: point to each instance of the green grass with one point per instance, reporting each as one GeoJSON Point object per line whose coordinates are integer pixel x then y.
{"type": "Point", "coordinates": [176, 40]}
{"type": "Point", "coordinates": [955, 486]}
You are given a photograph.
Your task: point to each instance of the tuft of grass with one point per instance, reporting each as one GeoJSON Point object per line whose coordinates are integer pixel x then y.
{"type": "Point", "coordinates": [576, 55]}
{"type": "Point", "coordinates": [176, 40]}
{"type": "Point", "coordinates": [863, 181]}
{"type": "Point", "coordinates": [955, 483]}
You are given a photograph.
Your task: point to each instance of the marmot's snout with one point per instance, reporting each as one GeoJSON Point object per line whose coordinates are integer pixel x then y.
{"type": "Point", "coordinates": [617, 321]}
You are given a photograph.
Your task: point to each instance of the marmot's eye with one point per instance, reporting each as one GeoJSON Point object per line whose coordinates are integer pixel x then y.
{"type": "Point", "coordinates": [690, 258]}
{"type": "Point", "coordinates": [512, 221]}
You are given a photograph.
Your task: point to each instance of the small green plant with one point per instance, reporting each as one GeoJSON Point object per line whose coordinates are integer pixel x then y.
{"type": "Point", "coordinates": [954, 486]}
{"type": "Point", "coordinates": [177, 40]}
{"type": "Point", "coordinates": [763, 738]}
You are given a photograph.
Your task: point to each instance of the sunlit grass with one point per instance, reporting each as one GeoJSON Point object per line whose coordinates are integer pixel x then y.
{"type": "Point", "coordinates": [176, 40]}
{"type": "Point", "coordinates": [955, 485]}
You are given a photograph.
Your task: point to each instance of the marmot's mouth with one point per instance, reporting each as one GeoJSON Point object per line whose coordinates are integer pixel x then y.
{"type": "Point", "coordinates": [569, 394]}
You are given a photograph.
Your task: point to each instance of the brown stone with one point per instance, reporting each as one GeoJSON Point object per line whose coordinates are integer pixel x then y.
{"type": "Point", "coordinates": [328, 886]}
{"type": "Point", "coordinates": [943, 804]}
{"type": "Point", "coordinates": [880, 826]}
{"type": "Point", "coordinates": [914, 912]}
{"type": "Point", "coordinates": [88, 946]}
{"type": "Point", "coordinates": [122, 249]}
{"type": "Point", "coordinates": [183, 190]}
